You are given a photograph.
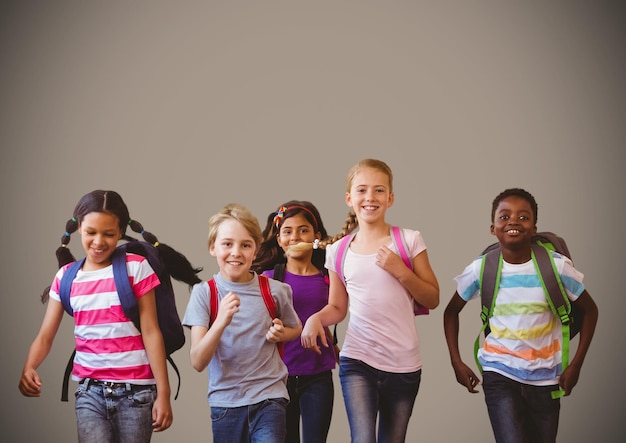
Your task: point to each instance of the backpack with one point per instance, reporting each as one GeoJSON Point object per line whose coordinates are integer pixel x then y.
{"type": "Point", "coordinates": [279, 274]}
{"type": "Point", "coordinates": [398, 241]}
{"type": "Point", "coordinates": [268, 299]}
{"type": "Point", "coordinates": [568, 313]}
{"type": "Point", "coordinates": [167, 314]}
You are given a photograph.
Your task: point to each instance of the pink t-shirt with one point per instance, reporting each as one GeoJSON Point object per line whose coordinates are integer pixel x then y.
{"type": "Point", "coordinates": [108, 345]}
{"type": "Point", "coordinates": [381, 331]}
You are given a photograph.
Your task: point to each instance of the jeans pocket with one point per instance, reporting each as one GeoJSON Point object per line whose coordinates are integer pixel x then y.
{"type": "Point", "coordinates": [218, 413]}
{"type": "Point", "coordinates": [144, 397]}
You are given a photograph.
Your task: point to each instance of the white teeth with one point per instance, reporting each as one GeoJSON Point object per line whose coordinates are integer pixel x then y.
{"type": "Point", "coordinates": [513, 231]}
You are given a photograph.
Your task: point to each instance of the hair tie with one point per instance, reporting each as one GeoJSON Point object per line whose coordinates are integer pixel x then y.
{"type": "Point", "coordinates": [63, 245]}
{"type": "Point", "coordinates": [130, 220]}
{"type": "Point", "coordinates": [316, 243]}
{"type": "Point", "coordinates": [156, 243]}
{"type": "Point", "coordinates": [280, 214]}
{"type": "Point", "coordinates": [74, 219]}
{"type": "Point", "coordinates": [67, 234]}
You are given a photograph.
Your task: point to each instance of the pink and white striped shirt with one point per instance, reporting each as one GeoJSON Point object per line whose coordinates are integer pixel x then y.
{"type": "Point", "coordinates": [108, 345]}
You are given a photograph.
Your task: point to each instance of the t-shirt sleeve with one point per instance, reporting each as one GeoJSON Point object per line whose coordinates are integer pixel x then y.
{"type": "Point", "coordinates": [198, 311]}
{"type": "Point", "coordinates": [467, 283]}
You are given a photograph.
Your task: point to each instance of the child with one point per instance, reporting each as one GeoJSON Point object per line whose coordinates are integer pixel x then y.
{"type": "Point", "coordinates": [521, 356]}
{"type": "Point", "coordinates": [247, 389]}
{"type": "Point", "coordinates": [380, 364]}
{"type": "Point", "coordinates": [111, 383]}
{"type": "Point", "coordinates": [292, 235]}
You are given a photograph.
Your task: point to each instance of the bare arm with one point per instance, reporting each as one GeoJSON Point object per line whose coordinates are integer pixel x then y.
{"type": "Point", "coordinates": [162, 416]}
{"type": "Point", "coordinates": [569, 378]}
{"type": "Point", "coordinates": [281, 333]}
{"type": "Point", "coordinates": [464, 374]}
{"type": "Point", "coordinates": [30, 383]}
{"type": "Point", "coordinates": [421, 283]}
{"type": "Point", "coordinates": [334, 312]}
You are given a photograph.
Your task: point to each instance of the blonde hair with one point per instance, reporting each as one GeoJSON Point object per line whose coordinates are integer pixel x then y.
{"type": "Point", "coordinates": [351, 222]}
{"type": "Point", "coordinates": [240, 213]}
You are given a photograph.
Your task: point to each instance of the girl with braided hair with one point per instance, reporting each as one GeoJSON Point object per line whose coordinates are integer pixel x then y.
{"type": "Point", "coordinates": [290, 253]}
{"type": "Point", "coordinates": [123, 392]}
{"type": "Point", "coordinates": [380, 364]}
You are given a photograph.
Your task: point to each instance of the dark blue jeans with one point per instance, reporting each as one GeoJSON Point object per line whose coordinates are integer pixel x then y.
{"type": "Point", "coordinates": [312, 398]}
{"type": "Point", "coordinates": [368, 392]}
{"type": "Point", "coordinates": [520, 413]}
{"type": "Point", "coordinates": [262, 422]}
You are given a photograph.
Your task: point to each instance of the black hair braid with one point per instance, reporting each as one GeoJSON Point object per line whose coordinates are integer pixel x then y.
{"type": "Point", "coordinates": [63, 253]}
{"type": "Point", "coordinates": [175, 263]}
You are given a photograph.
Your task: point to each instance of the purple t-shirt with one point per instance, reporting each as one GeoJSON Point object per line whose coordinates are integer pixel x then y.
{"type": "Point", "coordinates": [310, 295]}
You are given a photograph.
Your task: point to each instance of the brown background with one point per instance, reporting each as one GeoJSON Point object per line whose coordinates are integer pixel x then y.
{"type": "Point", "coordinates": [183, 107]}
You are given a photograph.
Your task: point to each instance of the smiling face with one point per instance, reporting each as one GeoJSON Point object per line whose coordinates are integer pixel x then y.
{"type": "Point", "coordinates": [370, 195]}
{"type": "Point", "coordinates": [294, 230]}
{"type": "Point", "coordinates": [99, 233]}
{"type": "Point", "coordinates": [514, 223]}
{"type": "Point", "coordinates": [235, 249]}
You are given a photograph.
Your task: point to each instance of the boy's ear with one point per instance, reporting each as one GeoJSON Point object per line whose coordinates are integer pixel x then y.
{"type": "Point", "coordinates": [491, 230]}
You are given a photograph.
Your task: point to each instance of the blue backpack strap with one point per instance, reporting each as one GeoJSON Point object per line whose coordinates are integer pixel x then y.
{"type": "Point", "coordinates": [122, 285]}
{"type": "Point", "coordinates": [341, 255]}
{"type": "Point", "coordinates": [65, 286]}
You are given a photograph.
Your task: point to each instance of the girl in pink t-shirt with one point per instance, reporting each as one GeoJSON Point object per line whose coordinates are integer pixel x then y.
{"type": "Point", "coordinates": [380, 367]}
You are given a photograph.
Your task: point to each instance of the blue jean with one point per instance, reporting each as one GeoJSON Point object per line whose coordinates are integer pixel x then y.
{"type": "Point", "coordinates": [368, 392]}
{"type": "Point", "coordinates": [520, 413]}
{"type": "Point", "coordinates": [262, 422]}
{"type": "Point", "coordinates": [312, 398]}
{"type": "Point", "coordinates": [117, 412]}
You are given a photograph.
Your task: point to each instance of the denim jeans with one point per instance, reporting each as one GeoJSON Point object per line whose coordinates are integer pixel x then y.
{"type": "Point", "coordinates": [262, 422]}
{"type": "Point", "coordinates": [312, 398]}
{"type": "Point", "coordinates": [120, 413]}
{"type": "Point", "coordinates": [368, 392]}
{"type": "Point", "coordinates": [520, 413]}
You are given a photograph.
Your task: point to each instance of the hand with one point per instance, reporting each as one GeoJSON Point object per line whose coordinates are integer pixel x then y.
{"type": "Point", "coordinates": [312, 330]}
{"type": "Point", "coordinates": [569, 378]}
{"type": "Point", "coordinates": [162, 417]}
{"type": "Point", "coordinates": [389, 261]}
{"type": "Point", "coordinates": [276, 331]}
{"type": "Point", "coordinates": [229, 306]}
{"type": "Point", "coordinates": [30, 383]}
{"type": "Point", "coordinates": [466, 377]}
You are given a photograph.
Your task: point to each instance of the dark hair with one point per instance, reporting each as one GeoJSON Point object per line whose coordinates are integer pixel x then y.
{"type": "Point", "coordinates": [514, 192]}
{"type": "Point", "coordinates": [270, 253]}
{"type": "Point", "coordinates": [110, 202]}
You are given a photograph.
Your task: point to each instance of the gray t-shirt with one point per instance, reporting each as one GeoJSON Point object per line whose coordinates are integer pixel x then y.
{"type": "Point", "coordinates": [245, 369]}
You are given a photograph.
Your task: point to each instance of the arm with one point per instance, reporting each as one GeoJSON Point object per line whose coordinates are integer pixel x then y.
{"type": "Point", "coordinates": [421, 283]}
{"type": "Point", "coordinates": [204, 340]}
{"type": "Point", "coordinates": [464, 374]}
{"type": "Point", "coordinates": [569, 378]}
{"type": "Point", "coordinates": [30, 383]}
{"type": "Point", "coordinates": [155, 349]}
{"type": "Point", "coordinates": [334, 312]}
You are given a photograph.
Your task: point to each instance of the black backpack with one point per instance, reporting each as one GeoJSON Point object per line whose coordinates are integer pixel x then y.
{"type": "Point", "coordinates": [167, 314]}
{"type": "Point", "coordinates": [568, 313]}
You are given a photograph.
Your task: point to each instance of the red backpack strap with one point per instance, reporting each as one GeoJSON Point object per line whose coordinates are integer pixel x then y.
{"type": "Point", "coordinates": [213, 303]}
{"type": "Point", "coordinates": [270, 304]}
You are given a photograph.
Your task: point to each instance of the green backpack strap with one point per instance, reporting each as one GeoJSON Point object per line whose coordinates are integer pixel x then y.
{"type": "Point", "coordinates": [557, 299]}
{"type": "Point", "coordinates": [489, 282]}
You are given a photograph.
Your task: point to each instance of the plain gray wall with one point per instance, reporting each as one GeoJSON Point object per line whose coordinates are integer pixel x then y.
{"type": "Point", "coordinates": [183, 107]}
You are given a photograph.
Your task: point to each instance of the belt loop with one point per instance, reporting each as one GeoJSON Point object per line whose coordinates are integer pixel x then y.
{"type": "Point", "coordinates": [129, 387]}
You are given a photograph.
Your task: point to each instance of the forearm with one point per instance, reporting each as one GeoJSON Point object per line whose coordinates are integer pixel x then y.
{"type": "Point", "coordinates": [292, 333]}
{"type": "Point", "coordinates": [155, 349]}
{"type": "Point", "coordinates": [204, 343]}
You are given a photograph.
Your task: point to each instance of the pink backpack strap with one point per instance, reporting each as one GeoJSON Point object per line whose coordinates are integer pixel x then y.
{"type": "Point", "coordinates": [341, 255]}
{"type": "Point", "coordinates": [401, 246]}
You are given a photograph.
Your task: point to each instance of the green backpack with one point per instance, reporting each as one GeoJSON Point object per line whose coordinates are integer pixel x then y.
{"type": "Point", "coordinates": [569, 313]}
